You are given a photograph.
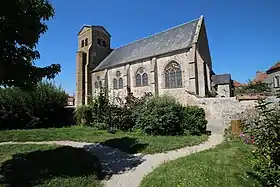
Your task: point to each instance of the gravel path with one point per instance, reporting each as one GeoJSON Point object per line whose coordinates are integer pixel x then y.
{"type": "Point", "coordinates": [133, 177]}
{"type": "Point", "coordinates": [126, 170]}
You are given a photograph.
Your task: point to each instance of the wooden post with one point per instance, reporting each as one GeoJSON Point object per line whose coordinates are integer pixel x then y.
{"type": "Point", "coordinates": [236, 126]}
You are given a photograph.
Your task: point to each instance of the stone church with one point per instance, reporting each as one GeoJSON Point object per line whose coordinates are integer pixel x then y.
{"type": "Point", "coordinates": [176, 61]}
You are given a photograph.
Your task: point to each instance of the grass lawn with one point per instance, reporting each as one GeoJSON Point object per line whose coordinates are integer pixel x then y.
{"type": "Point", "coordinates": [130, 142]}
{"type": "Point", "coordinates": [46, 165]}
{"type": "Point", "coordinates": [226, 165]}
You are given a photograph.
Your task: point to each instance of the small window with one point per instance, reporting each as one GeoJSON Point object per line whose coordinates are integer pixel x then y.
{"type": "Point", "coordinates": [82, 43]}
{"type": "Point", "coordinates": [99, 41]}
{"type": "Point", "coordinates": [100, 84]}
{"type": "Point", "coordinates": [115, 84]}
{"type": "Point", "coordinates": [118, 74]}
{"type": "Point", "coordinates": [120, 83]}
{"type": "Point", "coordinates": [104, 44]}
{"type": "Point", "coordinates": [96, 85]}
{"type": "Point", "coordinates": [276, 81]}
{"type": "Point", "coordinates": [86, 42]}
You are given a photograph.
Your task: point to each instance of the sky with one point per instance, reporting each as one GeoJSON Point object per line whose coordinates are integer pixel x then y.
{"type": "Point", "coordinates": [243, 35]}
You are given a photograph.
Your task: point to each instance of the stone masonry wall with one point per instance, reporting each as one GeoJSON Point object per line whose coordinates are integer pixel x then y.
{"type": "Point", "coordinates": [219, 111]}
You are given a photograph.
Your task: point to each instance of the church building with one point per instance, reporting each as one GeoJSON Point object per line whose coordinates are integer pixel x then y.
{"type": "Point", "coordinates": [176, 61]}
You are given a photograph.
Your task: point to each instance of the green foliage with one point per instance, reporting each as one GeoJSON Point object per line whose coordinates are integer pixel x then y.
{"type": "Point", "coordinates": [266, 132]}
{"type": "Point", "coordinates": [100, 108]}
{"type": "Point", "coordinates": [152, 115]}
{"type": "Point", "coordinates": [165, 116]}
{"type": "Point", "coordinates": [42, 107]}
{"type": "Point", "coordinates": [253, 87]}
{"type": "Point", "coordinates": [83, 115]}
{"type": "Point", "coordinates": [22, 22]}
{"type": "Point", "coordinates": [195, 122]}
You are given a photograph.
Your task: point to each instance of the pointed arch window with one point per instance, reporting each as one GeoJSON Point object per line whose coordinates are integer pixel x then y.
{"type": "Point", "coordinates": [120, 83]}
{"type": "Point", "coordinates": [115, 84]}
{"type": "Point", "coordinates": [145, 79]}
{"type": "Point", "coordinates": [82, 43]}
{"type": "Point", "coordinates": [98, 82]}
{"type": "Point", "coordinates": [86, 42]}
{"type": "Point", "coordinates": [173, 75]}
{"type": "Point", "coordinates": [141, 77]}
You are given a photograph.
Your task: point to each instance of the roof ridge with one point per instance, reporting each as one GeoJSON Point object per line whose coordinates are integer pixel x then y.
{"type": "Point", "coordinates": [157, 33]}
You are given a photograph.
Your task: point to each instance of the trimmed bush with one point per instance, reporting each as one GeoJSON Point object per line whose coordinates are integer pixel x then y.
{"type": "Point", "coordinates": [165, 116]}
{"type": "Point", "coordinates": [41, 108]}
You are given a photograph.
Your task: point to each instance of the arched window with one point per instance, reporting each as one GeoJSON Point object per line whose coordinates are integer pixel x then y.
{"type": "Point", "coordinates": [141, 77]}
{"type": "Point", "coordinates": [173, 75]}
{"type": "Point", "coordinates": [115, 84]}
{"type": "Point", "coordinates": [82, 43]}
{"type": "Point", "coordinates": [103, 43]}
{"type": "Point", "coordinates": [120, 83]}
{"type": "Point", "coordinates": [99, 41]}
{"type": "Point", "coordinates": [86, 42]}
{"type": "Point", "coordinates": [145, 79]}
{"type": "Point", "coordinates": [138, 80]}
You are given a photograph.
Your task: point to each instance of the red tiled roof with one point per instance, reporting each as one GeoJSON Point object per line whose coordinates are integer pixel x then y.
{"type": "Point", "coordinates": [275, 66]}
{"type": "Point", "coordinates": [260, 77]}
{"type": "Point", "coordinates": [236, 83]}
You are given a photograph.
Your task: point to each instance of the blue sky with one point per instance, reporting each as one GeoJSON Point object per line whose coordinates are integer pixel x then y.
{"type": "Point", "coordinates": [244, 35]}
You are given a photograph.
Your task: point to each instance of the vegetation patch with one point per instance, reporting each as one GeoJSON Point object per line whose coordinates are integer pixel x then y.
{"type": "Point", "coordinates": [48, 165]}
{"type": "Point", "coordinates": [42, 107]}
{"type": "Point", "coordinates": [153, 115]}
{"type": "Point", "coordinates": [229, 164]}
{"type": "Point", "coordinates": [131, 142]}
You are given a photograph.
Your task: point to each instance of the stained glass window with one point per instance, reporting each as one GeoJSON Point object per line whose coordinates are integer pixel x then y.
{"type": "Point", "coordinates": [145, 79]}
{"type": "Point", "coordinates": [115, 84]}
{"type": "Point", "coordinates": [120, 83]}
{"type": "Point", "coordinates": [138, 80]}
{"type": "Point", "coordinates": [173, 75]}
{"type": "Point", "coordinates": [141, 77]}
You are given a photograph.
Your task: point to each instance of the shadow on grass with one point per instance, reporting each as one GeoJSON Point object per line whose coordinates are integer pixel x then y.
{"type": "Point", "coordinates": [29, 169]}
{"type": "Point", "coordinates": [116, 155]}
{"type": "Point", "coordinates": [126, 144]}
{"type": "Point", "coordinates": [32, 168]}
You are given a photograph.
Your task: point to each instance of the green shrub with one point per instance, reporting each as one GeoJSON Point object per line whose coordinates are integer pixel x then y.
{"type": "Point", "coordinates": [101, 114]}
{"type": "Point", "coordinates": [195, 122]}
{"type": "Point", "coordinates": [266, 132]}
{"type": "Point", "coordinates": [161, 116]}
{"type": "Point", "coordinates": [83, 115]}
{"type": "Point", "coordinates": [40, 108]}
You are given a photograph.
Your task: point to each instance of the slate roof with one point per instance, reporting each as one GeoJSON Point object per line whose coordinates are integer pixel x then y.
{"type": "Point", "coordinates": [173, 39]}
{"type": "Point", "coordinates": [221, 79]}
{"type": "Point", "coordinates": [95, 27]}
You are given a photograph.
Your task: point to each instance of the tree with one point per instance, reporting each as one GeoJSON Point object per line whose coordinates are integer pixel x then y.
{"type": "Point", "coordinates": [22, 22]}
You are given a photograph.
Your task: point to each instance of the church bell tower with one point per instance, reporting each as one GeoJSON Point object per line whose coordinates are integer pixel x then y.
{"type": "Point", "coordinates": [93, 47]}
